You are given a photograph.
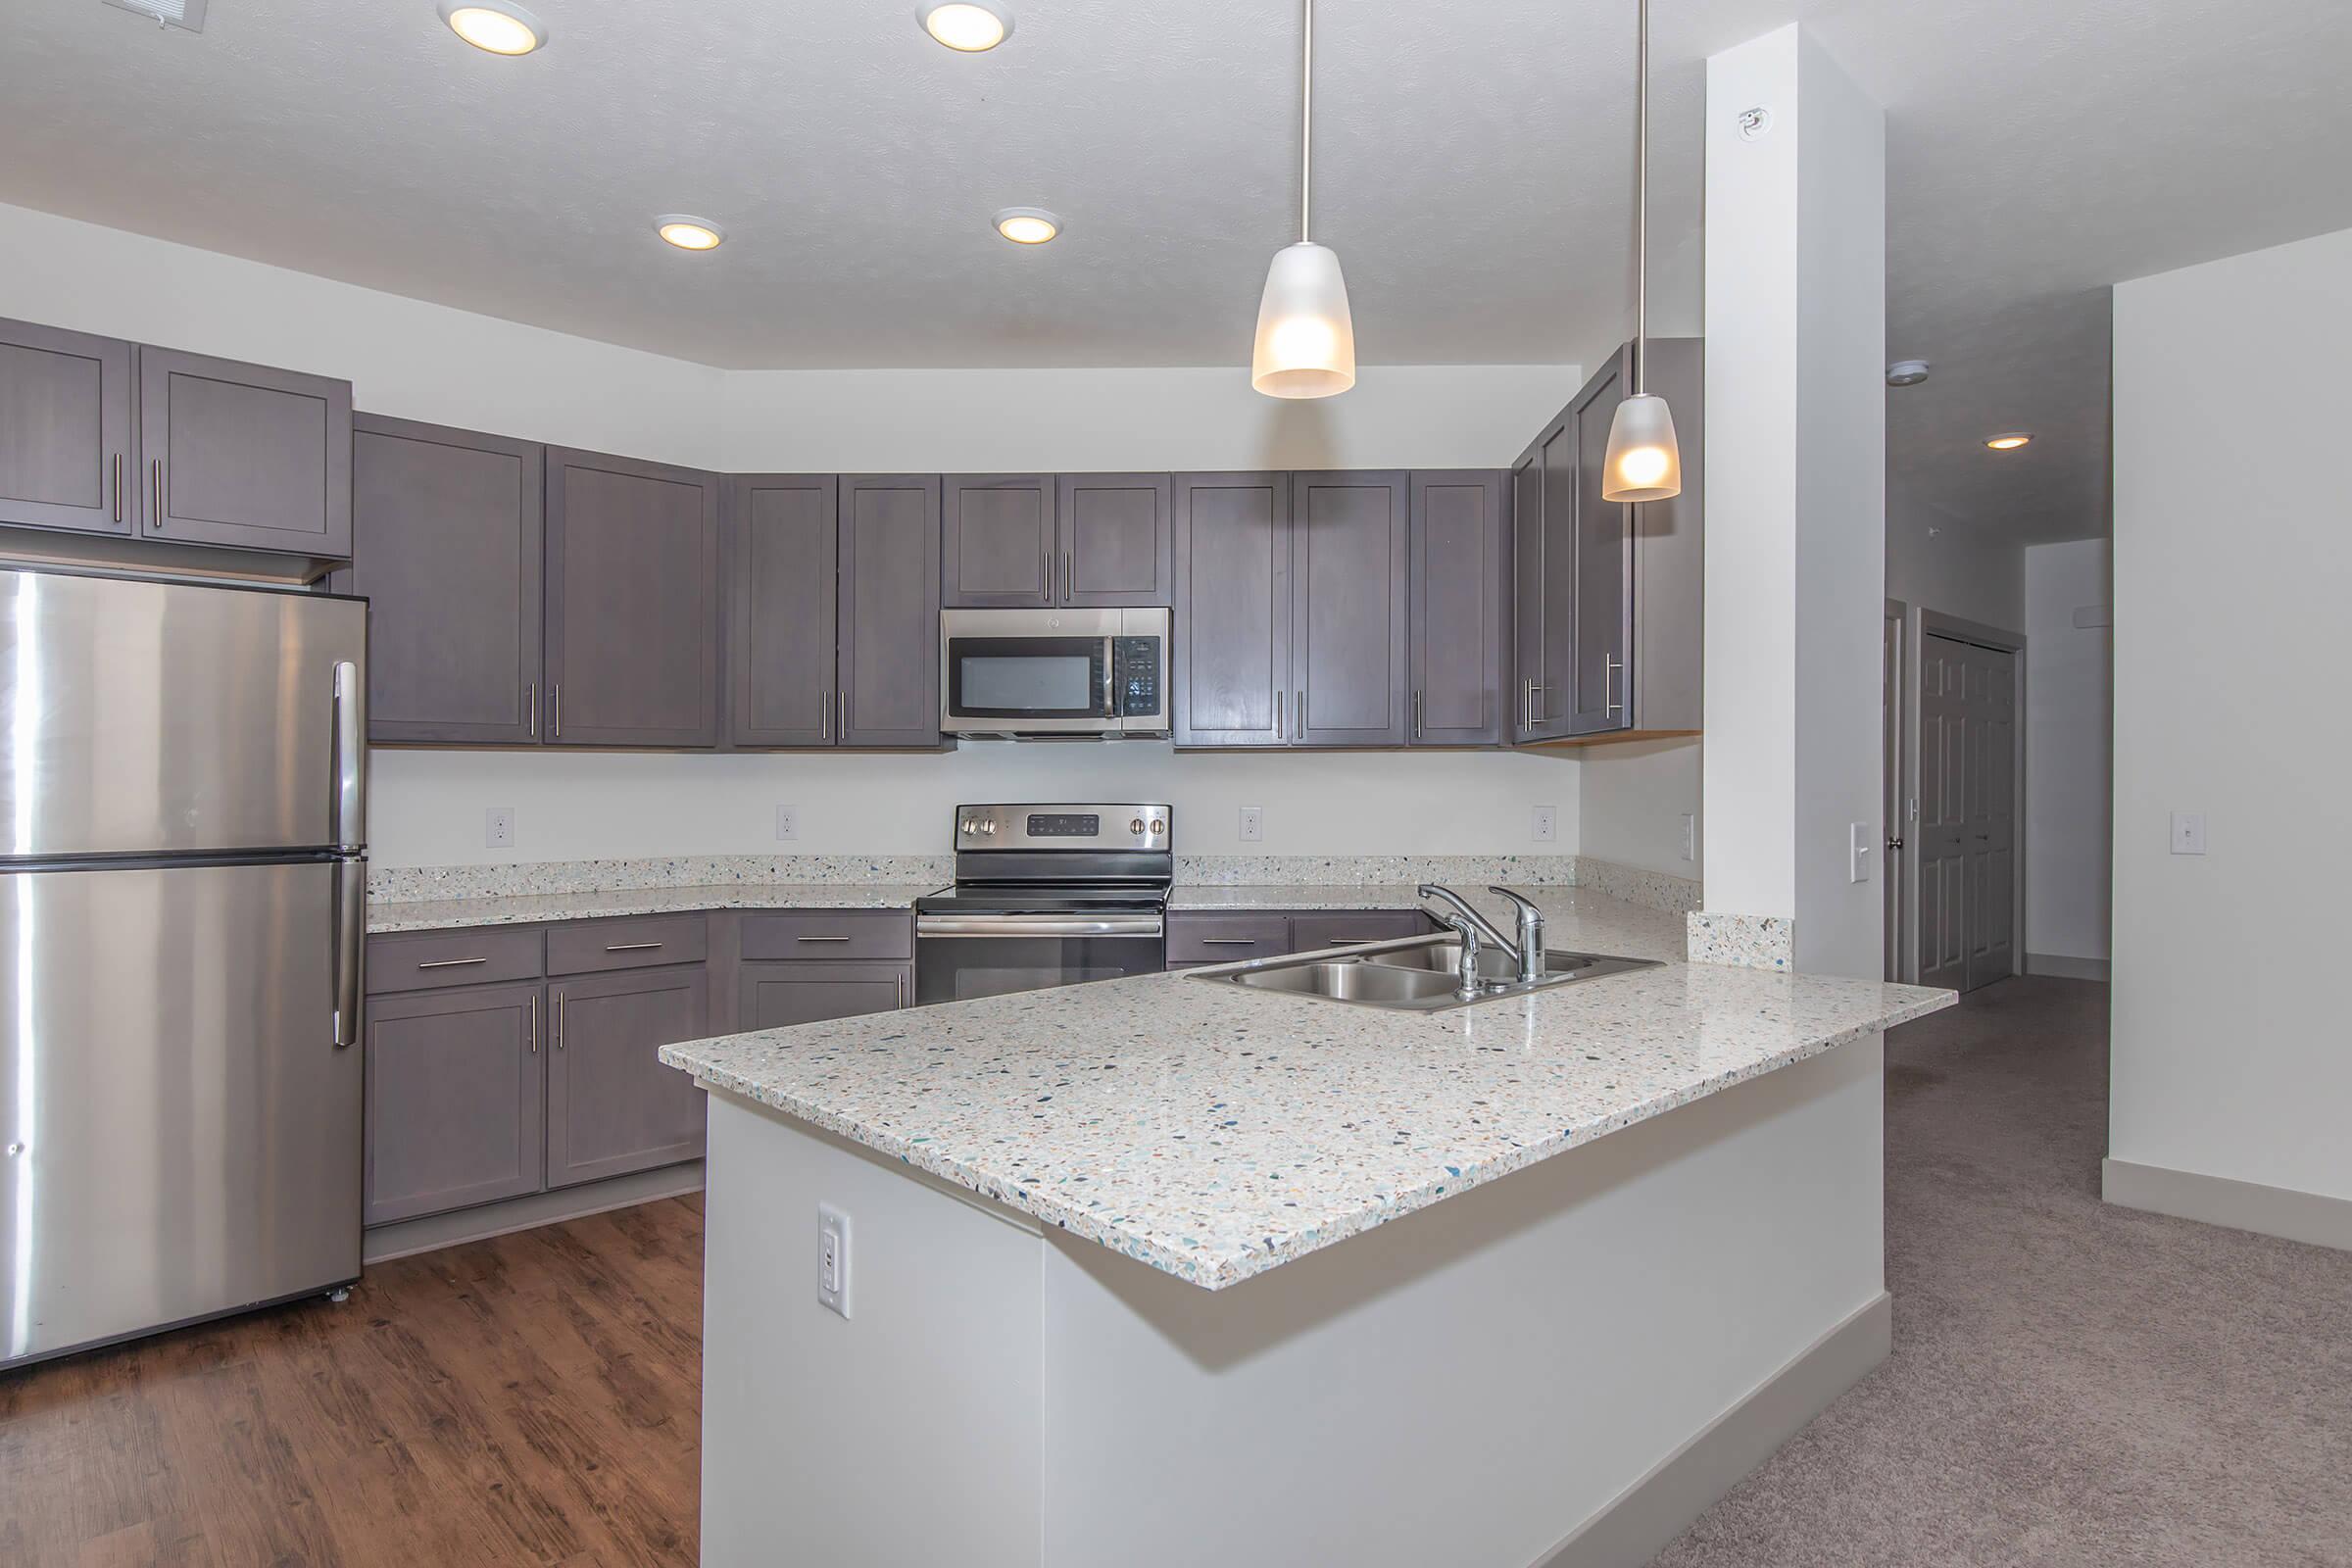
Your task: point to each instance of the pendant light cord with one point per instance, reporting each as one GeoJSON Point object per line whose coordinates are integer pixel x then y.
{"type": "Point", "coordinates": [1641, 205]}
{"type": "Point", "coordinates": [1306, 118]}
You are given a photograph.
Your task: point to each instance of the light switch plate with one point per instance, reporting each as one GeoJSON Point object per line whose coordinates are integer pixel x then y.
{"type": "Point", "coordinates": [2188, 832]}
{"type": "Point", "coordinates": [498, 828]}
{"type": "Point", "coordinates": [832, 1259]}
{"type": "Point", "coordinates": [1690, 836]}
{"type": "Point", "coordinates": [788, 822]}
{"type": "Point", "coordinates": [1545, 822]}
{"type": "Point", "coordinates": [1861, 839]}
{"type": "Point", "coordinates": [1254, 824]}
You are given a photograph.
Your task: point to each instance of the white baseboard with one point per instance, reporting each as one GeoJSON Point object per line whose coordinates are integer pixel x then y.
{"type": "Point", "coordinates": [2066, 967]}
{"type": "Point", "coordinates": [2298, 1216]}
{"type": "Point", "coordinates": [404, 1238]}
{"type": "Point", "coordinates": [1638, 1522]}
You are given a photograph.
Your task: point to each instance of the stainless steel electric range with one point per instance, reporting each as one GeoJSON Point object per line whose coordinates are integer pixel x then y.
{"type": "Point", "coordinates": [1046, 895]}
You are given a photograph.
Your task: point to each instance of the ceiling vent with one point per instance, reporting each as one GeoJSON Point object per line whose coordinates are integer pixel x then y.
{"type": "Point", "coordinates": [187, 15]}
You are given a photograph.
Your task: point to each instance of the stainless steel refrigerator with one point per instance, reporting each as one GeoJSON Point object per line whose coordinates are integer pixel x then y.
{"type": "Point", "coordinates": [182, 896]}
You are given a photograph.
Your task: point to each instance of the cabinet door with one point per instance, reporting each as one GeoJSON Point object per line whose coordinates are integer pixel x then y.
{"type": "Point", "coordinates": [889, 611]}
{"type": "Point", "coordinates": [1458, 622]}
{"type": "Point", "coordinates": [454, 1100]}
{"type": "Point", "coordinates": [1603, 602]}
{"type": "Point", "coordinates": [997, 540]}
{"type": "Point", "coordinates": [776, 995]}
{"type": "Point", "coordinates": [1233, 608]}
{"type": "Point", "coordinates": [1527, 587]}
{"type": "Point", "coordinates": [783, 553]}
{"type": "Point", "coordinates": [1115, 541]}
{"type": "Point", "coordinates": [611, 1107]}
{"type": "Point", "coordinates": [445, 546]}
{"type": "Point", "coordinates": [1350, 609]}
{"type": "Point", "coordinates": [67, 458]}
{"type": "Point", "coordinates": [244, 455]}
{"type": "Point", "coordinates": [1543, 554]}
{"type": "Point", "coordinates": [632, 601]}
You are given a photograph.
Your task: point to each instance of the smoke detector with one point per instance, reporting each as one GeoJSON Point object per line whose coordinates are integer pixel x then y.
{"type": "Point", "coordinates": [1907, 373]}
{"type": "Point", "coordinates": [185, 15]}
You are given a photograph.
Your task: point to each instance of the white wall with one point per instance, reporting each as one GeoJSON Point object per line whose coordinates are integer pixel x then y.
{"type": "Point", "coordinates": [1935, 562]}
{"type": "Point", "coordinates": [2232, 566]}
{"type": "Point", "coordinates": [1635, 797]}
{"type": "Point", "coordinates": [2067, 779]}
{"type": "Point", "coordinates": [427, 361]}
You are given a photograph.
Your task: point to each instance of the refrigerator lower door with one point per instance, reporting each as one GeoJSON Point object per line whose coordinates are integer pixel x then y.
{"type": "Point", "coordinates": [182, 1135]}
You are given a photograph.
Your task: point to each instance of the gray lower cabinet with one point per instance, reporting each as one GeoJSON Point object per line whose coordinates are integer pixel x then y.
{"type": "Point", "coordinates": [999, 542]}
{"type": "Point", "coordinates": [783, 571]}
{"type": "Point", "coordinates": [611, 1107]}
{"type": "Point", "coordinates": [1350, 600]}
{"type": "Point", "coordinates": [455, 1102]}
{"type": "Point", "coordinates": [775, 995]}
{"type": "Point", "coordinates": [889, 612]}
{"type": "Point", "coordinates": [68, 456]}
{"type": "Point", "coordinates": [1460, 530]}
{"type": "Point", "coordinates": [243, 455]}
{"type": "Point", "coordinates": [634, 620]}
{"type": "Point", "coordinates": [446, 538]}
{"type": "Point", "coordinates": [1117, 544]}
{"type": "Point", "coordinates": [1233, 606]}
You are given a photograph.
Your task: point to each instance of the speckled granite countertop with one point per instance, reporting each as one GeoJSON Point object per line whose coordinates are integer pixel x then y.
{"type": "Point", "coordinates": [435, 914]}
{"type": "Point", "coordinates": [1214, 1132]}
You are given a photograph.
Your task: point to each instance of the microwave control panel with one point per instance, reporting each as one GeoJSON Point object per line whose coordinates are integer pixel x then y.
{"type": "Point", "coordinates": [1136, 660]}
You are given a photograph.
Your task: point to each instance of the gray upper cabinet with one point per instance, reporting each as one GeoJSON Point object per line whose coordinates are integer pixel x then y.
{"type": "Point", "coordinates": [1116, 541]}
{"type": "Point", "coordinates": [243, 455]}
{"type": "Point", "coordinates": [998, 543]}
{"type": "Point", "coordinates": [68, 452]}
{"type": "Point", "coordinates": [1350, 603]}
{"type": "Point", "coordinates": [1544, 583]}
{"type": "Point", "coordinates": [456, 1106]}
{"type": "Point", "coordinates": [889, 608]}
{"type": "Point", "coordinates": [446, 530]}
{"type": "Point", "coordinates": [783, 569]}
{"type": "Point", "coordinates": [1232, 609]}
{"type": "Point", "coordinates": [632, 601]}
{"type": "Point", "coordinates": [1458, 568]}
{"type": "Point", "coordinates": [1604, 612]}
{"type": "Point", "coordinates": [611, 1107]}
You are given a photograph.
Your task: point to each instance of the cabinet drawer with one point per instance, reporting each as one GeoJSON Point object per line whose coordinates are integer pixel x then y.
{"type": "Point", "coordinates": [1226, 938]}
{"type": "Point", "coordinates": [626, 943]}
{"type": "Point", "coordinates": [422, 960]}
{"type": "Point", "coordinates": [1339, 928]}
{"type": "Point", "coordinates": [830, 935]}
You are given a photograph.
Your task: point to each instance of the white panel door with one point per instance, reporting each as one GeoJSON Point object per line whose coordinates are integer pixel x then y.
{"type": "Point", "coordinates": [1943, 827]}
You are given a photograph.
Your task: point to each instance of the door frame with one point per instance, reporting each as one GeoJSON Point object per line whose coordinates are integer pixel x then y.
{"type": "Point", "coordinates": [1923, 625]}
{"type": "Point", "coordinates": [1906, 746]}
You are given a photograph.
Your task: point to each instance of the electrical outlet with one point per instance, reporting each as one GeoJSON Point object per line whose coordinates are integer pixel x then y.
{"type": "Point", "coordinates": [832, 1259]}
{"type": "Point", "coordinates": [1254, 824]}
{"type": "Point", "coordinates": [498, 828]}
{"type": "Point", "coordinates": [1690, 836]}
{"type": "Point", "coordinates": [2188, 832]}
{"type": "Point", "coordinates": [1546, 823]}
{"type": "Point", "coordinates": [788, 822]}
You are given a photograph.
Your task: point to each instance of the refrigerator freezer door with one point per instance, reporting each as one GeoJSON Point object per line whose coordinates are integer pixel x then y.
{"type": "Point", "coordinates": [181, 1133]}
{"type": "Point", "coordinates": [142, 718]}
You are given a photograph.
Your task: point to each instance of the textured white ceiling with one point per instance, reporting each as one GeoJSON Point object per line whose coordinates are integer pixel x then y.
{"type": "Point", "coordinates": [1473, 172]}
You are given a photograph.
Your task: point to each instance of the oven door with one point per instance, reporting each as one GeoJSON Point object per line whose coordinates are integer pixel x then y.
{"type": "Point", "coordinates": [960, 957]}
{"type": "Point", "coordinates": [1007, 672]}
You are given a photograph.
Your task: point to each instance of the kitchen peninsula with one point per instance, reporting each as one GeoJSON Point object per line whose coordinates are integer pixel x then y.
{"type": "Point", "coordinates": [1165, 1270]}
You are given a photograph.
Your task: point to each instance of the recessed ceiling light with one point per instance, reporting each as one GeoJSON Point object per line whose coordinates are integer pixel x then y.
{"type": "Point", "coordinates": [2009, 440]}
{"type": "Point", "coordinates": [1027, 225]}
{"type": "Point", "coordinates": [494, 26]}
{"type": "Point", "coordinates": [971, 25]}
{"type": "Point", "coordinates": [1907, 373]}
{"type": "Point", "coordinates": [688, 232]}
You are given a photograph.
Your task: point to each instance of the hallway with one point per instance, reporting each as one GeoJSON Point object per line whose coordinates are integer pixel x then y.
{"type": "Point", "coordinates": [2072, 1384]}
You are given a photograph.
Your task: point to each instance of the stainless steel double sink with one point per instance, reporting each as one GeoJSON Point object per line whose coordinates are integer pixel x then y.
{"type": "Point", "coordinates": [1416, 975]}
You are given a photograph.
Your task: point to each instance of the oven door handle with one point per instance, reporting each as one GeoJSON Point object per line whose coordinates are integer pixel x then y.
{"type": "Point", "coordinates": [1037, 925]}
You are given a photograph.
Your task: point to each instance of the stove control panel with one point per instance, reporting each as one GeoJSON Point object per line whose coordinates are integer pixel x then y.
{"type": "Point", "coordinates": [1056, 826]}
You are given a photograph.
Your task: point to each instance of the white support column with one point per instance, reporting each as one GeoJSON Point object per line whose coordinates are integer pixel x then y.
{"type": "Point", "coordinates": [1795, 475]}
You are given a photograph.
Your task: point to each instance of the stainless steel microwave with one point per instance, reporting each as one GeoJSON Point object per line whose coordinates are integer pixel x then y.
{"type": "Point", "coordinates": [1053, 674]}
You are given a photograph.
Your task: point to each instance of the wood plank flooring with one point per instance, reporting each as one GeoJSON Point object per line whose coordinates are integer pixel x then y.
{"type": "Point", "coordinates": [531, 1399]}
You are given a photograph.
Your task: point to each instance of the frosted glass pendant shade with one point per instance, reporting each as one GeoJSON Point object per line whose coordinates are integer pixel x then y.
{"type": "Point", "coordinates": [1306, 340]}
{"type": "Point", "coordinates": [1644, 463]}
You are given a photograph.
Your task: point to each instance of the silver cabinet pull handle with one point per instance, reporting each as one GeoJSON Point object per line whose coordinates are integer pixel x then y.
{"type": "Point", "coordinates": [825, 714]}
{"type": "Point", "coordinates": [448, 963]}
{"type": "Point", "coordinates": [1615, 669]}
{"type": "Point", "coordinates": [1300, 730]}
{"type": "Point", "coordinates": [820, 938]}
{"type": "Point", "coordinates": [631, 946]}
{"type": "Point", "coordinates": [556, 700]}
{"type": "Point", "coordinates": [1070, 576]}
{"type": "Point", "coordinates": [1045, 572]}
{"type": "Point", "coordinates": [1282, 706]}
{"type": "Point", "coordinates": [1229, 941]}
{"type": "Point", "coordinates": [898, 986]}
{"type": "Point", "coordinates": [534, 703]}
{"type": "Point", "coordinates": [118, 487]}
{"type": "Point", "coordinates": [841, 725]}
{"type": "Point", "coordinates": [155, 518]}
{"type": "Point", "coordinates": [559, 1020]}
{"type": "Point", "coordinates": [1416, 715]}
{"type": "Point", "coordinates": [534, 1001]}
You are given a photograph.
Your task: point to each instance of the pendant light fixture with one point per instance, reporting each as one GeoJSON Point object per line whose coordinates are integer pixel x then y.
{"type": "Point", "coordinates": [1644, 463]}
{"type": "Point", "coordinates": [1305, 341]}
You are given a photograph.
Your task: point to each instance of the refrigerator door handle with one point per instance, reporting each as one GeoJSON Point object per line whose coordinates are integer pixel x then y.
{"type": "Point", "coordinates": [351, 758]}
{"type": "Point", "coordinates": [349, 932]}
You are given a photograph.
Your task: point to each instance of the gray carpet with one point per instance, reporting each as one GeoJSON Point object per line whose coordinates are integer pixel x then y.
{"type": "Point", "coordinates": [2071, 1383]}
